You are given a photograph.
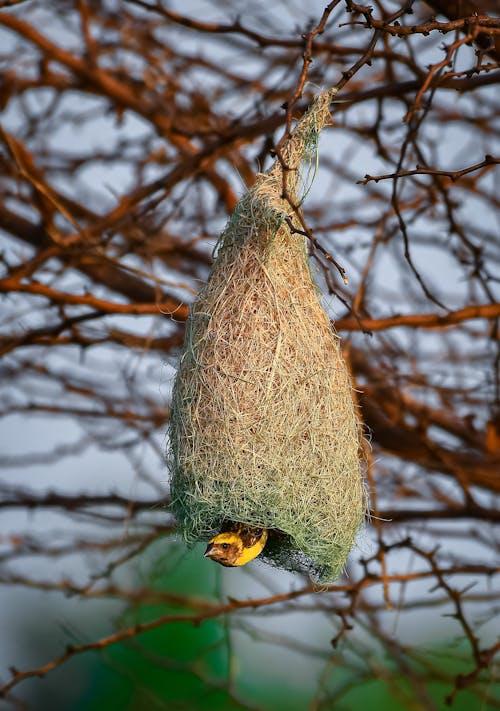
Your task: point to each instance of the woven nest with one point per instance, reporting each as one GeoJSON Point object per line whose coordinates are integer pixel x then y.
{"type": "Point", "coordinates": [263, 424]}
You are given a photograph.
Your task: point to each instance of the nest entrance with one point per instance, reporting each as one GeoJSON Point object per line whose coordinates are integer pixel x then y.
{"type": "Point", "coordinates": [263, 426]}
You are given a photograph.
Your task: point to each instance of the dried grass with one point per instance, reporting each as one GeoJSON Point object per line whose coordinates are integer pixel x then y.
{"type": "Point", "coordinates": [263, 426]}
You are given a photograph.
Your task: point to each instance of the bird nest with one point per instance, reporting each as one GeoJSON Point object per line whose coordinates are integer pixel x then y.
{"type": "Point", "coordinates": [264, 429]}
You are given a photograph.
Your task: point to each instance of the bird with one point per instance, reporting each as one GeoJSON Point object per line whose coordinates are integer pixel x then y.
{"type": "Point", "coordinates": [236, 546]}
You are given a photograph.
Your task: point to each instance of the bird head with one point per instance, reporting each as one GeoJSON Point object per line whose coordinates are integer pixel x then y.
{"type": "Point", "coordinates": [234, 548]}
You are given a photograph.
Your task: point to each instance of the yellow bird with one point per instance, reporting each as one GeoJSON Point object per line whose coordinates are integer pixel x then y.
{"type": "Point", "coordinates": [237, 546]}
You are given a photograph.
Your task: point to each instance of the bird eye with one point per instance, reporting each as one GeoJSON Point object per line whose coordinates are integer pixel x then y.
{"type": "Point", "coordinates": [225, 546]}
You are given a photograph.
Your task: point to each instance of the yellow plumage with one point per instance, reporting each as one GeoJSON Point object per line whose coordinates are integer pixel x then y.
{"type": "Point", "coordinates": [236, 547]}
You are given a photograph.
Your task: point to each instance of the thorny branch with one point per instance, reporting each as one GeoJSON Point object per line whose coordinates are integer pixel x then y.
{"type": "Point", "coordinates": [453, 175]}
{"type": "Point", "coordinates": [105, 240]}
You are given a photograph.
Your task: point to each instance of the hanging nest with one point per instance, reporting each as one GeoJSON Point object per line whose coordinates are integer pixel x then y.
{"type": "Point", "coordinates": [263, 427]}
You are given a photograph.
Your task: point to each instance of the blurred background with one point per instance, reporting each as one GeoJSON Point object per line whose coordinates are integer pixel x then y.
{"type": "Point", "coordinates": [129, 130]}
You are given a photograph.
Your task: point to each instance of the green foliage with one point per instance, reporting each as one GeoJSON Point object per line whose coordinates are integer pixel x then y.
{"type": "Point", "coordinates": [174, 666]}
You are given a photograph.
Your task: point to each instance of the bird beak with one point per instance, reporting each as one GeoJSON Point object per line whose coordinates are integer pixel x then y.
{"type": "Point", "coordinates": [210, 551]}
